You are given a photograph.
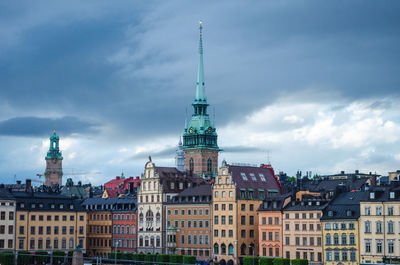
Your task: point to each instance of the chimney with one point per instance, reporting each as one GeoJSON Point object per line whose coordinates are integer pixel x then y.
{"type": "Point", "coordinates": [18, 182]}
{"type": "Point", "coordinates": [117, 178]}
{"type": "Point", "coordinates": [28, 184]}
{"type": "Point", "coordinates": [357, 171]}
{"type": "Point", "coordinates": [342, 172]}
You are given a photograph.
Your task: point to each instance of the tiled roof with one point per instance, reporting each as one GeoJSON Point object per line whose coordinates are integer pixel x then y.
{"type": "Point", "coordinates": [257, 178]}
{"type": "Point", "coordinates": [332, 184]}
{"type": "Point", "coordinates": [5, 194]}
{"type": "Point", "coordinates": [307, 205]}
{"type": "Point", "coordinates": [198, 194]}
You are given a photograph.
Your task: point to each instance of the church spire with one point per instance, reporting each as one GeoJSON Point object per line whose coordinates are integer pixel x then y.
{"type": "Point", "coordinates": [200, 90]}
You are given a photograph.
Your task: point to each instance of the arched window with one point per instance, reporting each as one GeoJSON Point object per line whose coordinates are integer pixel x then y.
{"type": "Point", "coordinates": [146, 241]}
{"type": "Point", "coordinates": [191, 164]}
{"type": "Point", "coordinates": [141, 241]}
{"type": "Point", "coordinates": [251, 249]}
{"type": "Point", "coordinates": [158, 219]}
{"type": "Point", "coordinates": [328, 239]}
{"type": "Point", "coordinates": [209, 165]}
{"type": "Point", "coordinates": [158, 241]}
{"type": "Point", "coordinates": [149, 219]}
{"type": "Point", "coordinates": [344, 239]}
{"type": "Point", "coordinates": [216, 248]}
{"type": "Point", "coordinates": [71, 243]}
{"type": "Point", "coordinates": [127, 229]}
{"type": "Point", "coordinates": [114, 229]}
{"type": "Point", "coordinates": [141, 218]}
{"type": "Point", "coordinates": [223, 249]}
{"type": "Point", "coordinates": [352, 239]}
{"type": "Point", "coordinates": [243, 249]}
{"type": "Point", "coordinates": [118, 229]}
{"type": "Point", "coordinates": [336, 239]}
{"type": "Point", "coordinates": [133, 230]}
{"type": "Point", "coordinates": [230, 249]}
{"type": "Point", "coordinates": [219, 180]}
{"type": "Point", "coordinates": [64, 243]}
{"type": "Point", "coordinates": [152, 241]}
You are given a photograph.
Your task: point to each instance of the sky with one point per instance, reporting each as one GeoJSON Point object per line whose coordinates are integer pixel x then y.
{"type": "Point", "coordinates": [304, 85]}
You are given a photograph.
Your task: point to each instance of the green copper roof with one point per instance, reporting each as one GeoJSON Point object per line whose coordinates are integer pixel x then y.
{"type": "Point", "coordinates": [200, 131]}
{"type": "Point", "coordinates": [54, 150]}
{"type": "Point", "coordinates": [200, 90]}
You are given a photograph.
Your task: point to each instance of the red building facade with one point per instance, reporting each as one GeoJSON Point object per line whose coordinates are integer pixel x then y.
{"type": "Point", "coordinates": [125, 226]}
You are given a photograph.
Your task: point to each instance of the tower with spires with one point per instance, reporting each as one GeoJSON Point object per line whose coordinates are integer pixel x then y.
{"type": "Point", "coordinates": [180, 157]}
{"type": "Point", "coordinates": [200, 136]}
{"type": "Point", "coordinates": [53, 174]}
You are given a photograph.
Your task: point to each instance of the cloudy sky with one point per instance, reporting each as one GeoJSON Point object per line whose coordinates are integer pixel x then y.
{"type": "Point", "coordinates": [315, 84]}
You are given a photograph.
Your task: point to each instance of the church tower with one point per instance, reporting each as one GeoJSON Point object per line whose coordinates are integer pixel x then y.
{"type": "Point", "coordinates": [200, 137]}
{"type": "Point", "coordinates": [180, 157]}
{"type": "Point", "coordinates": [53, 174]}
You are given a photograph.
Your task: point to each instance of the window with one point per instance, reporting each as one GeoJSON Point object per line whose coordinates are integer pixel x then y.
{"type": "Point", "coordinates": [336, 239]}
{"type": "Point", "coordinates": [223, 233]}
{"type": "Point", "coordinates": [390, 227]}
{"type": "Point", "coordinates": [223, 219]}
{"type": "Point", "coordinates": [379, 246]}
{"type": "Point", "coordinates": [328, 239]}
{"type": "Point", "coordinates": [216, 248]}
{"type": "Point", "coordinates": [276, 220]}
{"type": "Point", "coordinates": [352, 255]}
{"type": "Point", "coordinates": [264, 236]}
{"type": "Point", "coordinates": [223, 194]}
{"type": "Point", "coordinates": [378, 210]}
{"type": "Point", "coordinates": [270, 236]}
{"type": "Point", "coordinates": [215, 207]}
{"type": "Point", "coordinates": [352, 239]}
{"type": "Point", "coordinates": [230, 219]}
{"type": "Point", "coordinates": [216, 219]}
{"type": "Point", "coordinates": [367, 210]}
{"type": "Point", "coordinates": [253, 177]}
{"type": "Point", "coordinates": [287, 240]}
{"type": "Point", "coordinates": [391, 246]}
{"type": "Point", "coordinates": [244, 177]}
{"type": "Point", "coordinates": [344, 239]}
{"type": "Point", "coordinates": [243, 220]}
{"type": "Point", "coordinates": [261, 177]}
{"type": "Point", "coordinates": [191, 164]}
{"type": "Point", "coordinates": [378, 227]}
{"type": "Point", "coordinates": [230, 233]}
{"type": "Point", "coordinates": [209, 165]}
{"type": "Point", "coordinates": [368, 246]}
{"type": "Point", "coordinates": [390, 211]}
{"type": "Point", "coordinates": [367, 226]}
{"type": "Point", "coordinates": [251, 220]}
{"type": "Point", "coordinates": [230, 194]}
{"type": "Point", "coordinates": [276, 236]}
{"type": "Point", "coordinates": [243, 233]}
{"type": "Point", "coordinates": [216, 194]}
{"type": "Point", "coordinates": [230, 207]}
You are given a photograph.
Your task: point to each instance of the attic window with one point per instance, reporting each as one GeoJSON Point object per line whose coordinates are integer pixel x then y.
{"type": "Point", "coordinates": [253, 177]}
{"type": "Point", "coordinates": [391, 195]}
{"type": "Point", "coordinates": [71, 206]}
{"type": "Point", "coordinates": [372, 195]}
{"type": "Point", "coordinates": [317, 203]}
{"type": "Point", "coordinates": [61, 206]}
{"type": "Point", "coordinates": [33, 206]}
{"type": "Point", "coordinates": [330, 213]}
{"type": "Point", "coordinates": [261, 175]}
{"type": "Point", "coordinates": [348, 213]}
{"type": "Point", "coordinates": [244, 177]}
{"type": "Point", "coordinates": [40, 205]}
{"type": "Point", "coordinates": [309, 203]}
{"type": "Point", "coordinates": [22, 205]}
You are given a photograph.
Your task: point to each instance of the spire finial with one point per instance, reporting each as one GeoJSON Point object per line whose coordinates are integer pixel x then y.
{"type": "Point", "coordinates": [200, 91]}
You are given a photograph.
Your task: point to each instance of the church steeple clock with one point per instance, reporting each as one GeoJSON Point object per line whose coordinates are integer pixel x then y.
{"type": "Point", "coordinates": [53, 174]}
{"type": "Point", "coordinates": [200, 136]}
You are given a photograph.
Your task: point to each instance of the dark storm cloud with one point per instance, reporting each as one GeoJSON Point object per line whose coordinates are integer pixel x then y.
{"type": "Point", "coordinates": [242, 149]}
{"type": "Point", "coordinates": [253, 54]}
{"type": "Point", "coordinates": [33, 126]}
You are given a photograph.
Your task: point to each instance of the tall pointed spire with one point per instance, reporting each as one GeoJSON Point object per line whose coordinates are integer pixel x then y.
{"type": "Point", "coordinates": [200, 90]}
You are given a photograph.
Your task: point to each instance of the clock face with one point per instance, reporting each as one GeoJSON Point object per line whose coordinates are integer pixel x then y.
{"type": "Point", "coordinates": [209, 129]}
{"type": "Point", "coordinates": [191, 130]}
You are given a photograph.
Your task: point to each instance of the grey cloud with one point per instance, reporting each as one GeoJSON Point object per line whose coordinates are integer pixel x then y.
{"type": "Point", "coordinates": [165, 153]}
{"type": "Point", "coordinates": [34, 126]}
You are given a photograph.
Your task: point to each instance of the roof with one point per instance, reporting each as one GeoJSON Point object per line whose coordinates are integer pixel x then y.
{"type": "Point", "coordinates": [5, 194]}
{"type": "Point", "coordinates": [309, 204]}
{"type": "Point", "coordinates": [345, 206]}
{"type": "Point", "coordinates": [257, 178]}
{"type": "Point", "coordinates": [46, 201]}
{"type": "Point", "coordinates": [75, 191]}
{"type": "Point", "coordinates": [274, 203]}
{"type": "Point", "coordinates": [332, 184]}
{"type": "Point", "coordinates": [383, 193]}
{"type": "Point", "coordinates": [172, 174]}
{"type": "Point", "coordinates": [110, 204]}
{"type": "Point", "coordinates": [195, 195]}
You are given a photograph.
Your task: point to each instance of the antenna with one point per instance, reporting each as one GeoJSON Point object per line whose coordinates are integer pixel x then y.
{"type": "Point", "coordinates": [186, 118]}
{"type": "Point", "coordinates": [269, 162]}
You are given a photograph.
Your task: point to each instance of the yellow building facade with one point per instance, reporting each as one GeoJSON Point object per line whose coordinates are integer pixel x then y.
{"type": "Point", "coordinates": [340, 227]}
{"type": "Point", "coordinates": [49, 222]}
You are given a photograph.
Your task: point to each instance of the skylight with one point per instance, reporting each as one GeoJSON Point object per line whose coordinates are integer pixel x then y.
{"type": "Point", "coordinates": [261, 175]}
{"type": "Point", "coordinates": [253, 177]}
{"type": "Point", "coordinates": [244, 177]}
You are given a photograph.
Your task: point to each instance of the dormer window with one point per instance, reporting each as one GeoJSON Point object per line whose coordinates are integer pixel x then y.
{"type": "Point", "coordinates": [317, 203]}
{"type": "Point", "coordinates": [391, 195]}
{"type": "Point", "coordinates": [228, 180]}
{"type": "Point", "coordinates": [22, 205]}
{"type": "Point", "coordinates": [71, 206]}
{"type": "Point", "coordinates": [244, 177]}
{"type": "Point", "coordinates": [52, 206]}
{"type": "Point", "coordinates": [253, 177]}
{"type": "Point", "coordinates": [40, 205]}
{"type": "Point", "coordinates": [309, 203]}
{"type": "Point", "coordinates": [348, 213]}
{"type": "Point", "coordinates": [33, 206]}
{"type": "Point", "coordinates": [372, 195]}
{"type": "Point", "coordinates": [181, 185]}
{"type": "Point", "coordinates": [261, 175]}
{"type": "Point", "coordinates": [172, 185]}
{"type": "Point", "coordinates": [330, 213]}
{"type": "Point", "coordinates": [61, 206]}
{"type": "Point", "coordinates": [223, 172]}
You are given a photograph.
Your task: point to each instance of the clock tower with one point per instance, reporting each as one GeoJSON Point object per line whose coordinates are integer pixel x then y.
{"type": "Point", "coordinates": [54, 173]}
{"type": "Point", "coordinates": [200, 136]}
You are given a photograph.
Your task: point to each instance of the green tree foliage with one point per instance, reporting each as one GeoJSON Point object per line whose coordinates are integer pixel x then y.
{"type": "Point", "coordinates": [7, 258]}
{"type": "Point", "coordinates": [58, 256]}
{"type": "Point", "coordinates": [162, 259]}
{"type": "Point", "coordinates": [266, 261]}
{"type": "Point", "coordinates": [250, 260]}
{"type": "Point", "coordinates": [189, 259]}
{"type": "Point", "coordinates": [280, 261]}
{"type": "Point", "coordinates": [299, 262]}
{"type": "Point", "coordinates": [42, 257]}
{"type": "Point", "coordinates": [24, 257]}
{"type": "Point", "coordinates": [175, 259]}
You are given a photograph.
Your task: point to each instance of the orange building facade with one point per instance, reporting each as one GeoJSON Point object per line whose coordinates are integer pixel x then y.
{"type": "Point", "coordinates": [188, 217]}
{"type": "Point", "coordinates": [270, 226]}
